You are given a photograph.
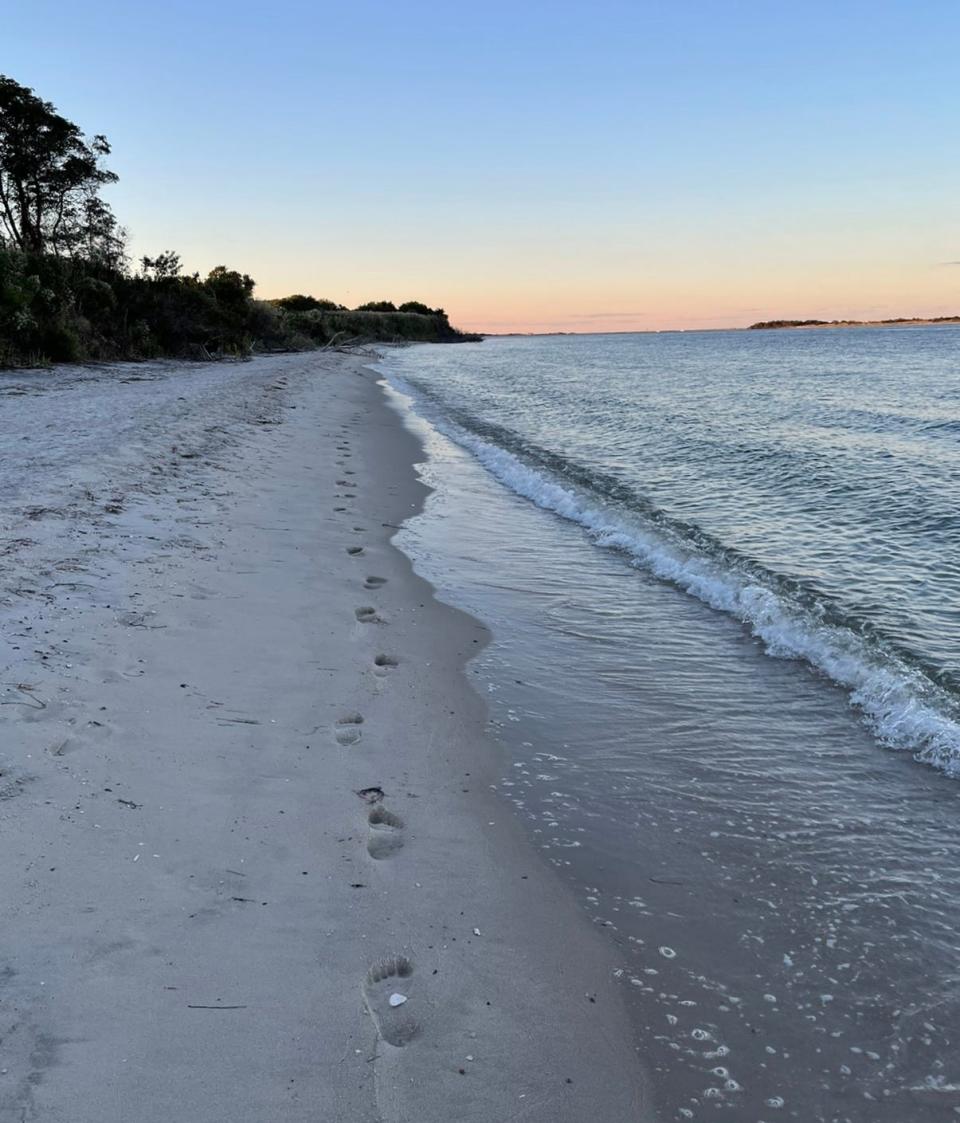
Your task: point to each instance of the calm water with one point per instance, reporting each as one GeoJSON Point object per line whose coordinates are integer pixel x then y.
{"type": "Point", "coordinates": [721, 574]}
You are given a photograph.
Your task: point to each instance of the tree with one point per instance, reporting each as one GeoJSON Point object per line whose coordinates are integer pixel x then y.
{"type": "Point", "coordinates": [377, 306]}
{"type": "Point", "coordinates": [164, 265]}
{"type": "Point", "coordinates": [300, 303]}
{"type": "Point", "coordinates": [422, 309]}
{"type": "Point", "coordinates": [50, 181]}
{"type": "Point", "coordinates": [228, 286]}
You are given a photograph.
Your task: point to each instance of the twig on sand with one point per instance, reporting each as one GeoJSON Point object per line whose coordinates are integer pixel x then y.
{"type": "Point", "coordinates": [35, 703]}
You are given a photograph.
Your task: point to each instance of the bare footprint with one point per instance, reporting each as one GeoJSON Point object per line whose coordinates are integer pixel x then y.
{"type": "Point", "coordinates": [385, 996]}
{"type": "Point", "coordinates": [386, 833]}
{"type": "Point", "coordinates": [347, 729]}
{"type": "Point", "coordinates": [384, 664]}
{"type": "Point", "coordinates": [367, 615]}
{"type": "Point", "coordinates": [374, 582]}
{"type": "Point", "coordinates": [354, 551]}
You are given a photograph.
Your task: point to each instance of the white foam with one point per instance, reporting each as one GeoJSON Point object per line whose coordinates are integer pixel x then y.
{"type": "Point", "coordinates": [900, 705]}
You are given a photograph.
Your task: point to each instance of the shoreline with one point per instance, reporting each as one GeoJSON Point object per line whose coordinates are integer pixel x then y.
{"type": "Point", "coordinates": [941, 321]}
{"type": "Point", "coordinates": [901, 322]}
{"type": "Point", "coordinates": [202, 665]}
{"type": "Point", "coordinates": [676, 768]}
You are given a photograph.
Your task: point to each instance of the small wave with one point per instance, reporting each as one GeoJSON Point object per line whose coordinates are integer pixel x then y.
{"type": "Point", "coordinates": [904, 708]}
{"type": "Point", "coordinates": [949, 426]}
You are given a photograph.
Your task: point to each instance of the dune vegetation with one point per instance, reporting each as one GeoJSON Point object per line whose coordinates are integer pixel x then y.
{"type": "Point", "coordinates": [68, 292]}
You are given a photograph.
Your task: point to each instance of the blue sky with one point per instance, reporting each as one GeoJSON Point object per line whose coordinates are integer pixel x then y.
{"type": "Point", "coordinates": [530, 165]}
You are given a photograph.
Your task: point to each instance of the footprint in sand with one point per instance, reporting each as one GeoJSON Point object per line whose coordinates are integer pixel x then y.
{"type": "Point", "coordinates": [386, 996]}
{"type": "Point", "coordinates": [343, 483]}
{"type": "Point", "coordinates": [367, 615]}
{"type": "Point", "coordinates": [384, 664]}
{"type": "Point", "coordinates": [386, 833]}
{"type": "Point", "coordinates": [374, 582]}
{"type": "Point", "coordinates": [347, 730]}
{"type": "Point", "coordinates": [354, 551]}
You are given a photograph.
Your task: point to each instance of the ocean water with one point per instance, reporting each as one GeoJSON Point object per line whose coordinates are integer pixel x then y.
{"type": "Point", "coordinates": [721, 575]}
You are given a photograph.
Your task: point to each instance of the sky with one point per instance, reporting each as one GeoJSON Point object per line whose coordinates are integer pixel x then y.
{"type": "Point", "coordinates": [529, 166]}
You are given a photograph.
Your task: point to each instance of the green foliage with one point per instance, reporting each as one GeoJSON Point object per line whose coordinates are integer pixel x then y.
{"type": "Point", "coordinates": [94, 297]}
{"type": "Point", "coordinates": [66, 294]}
{"type": "Point", "coordinates": [50, 181]}
{"type": "Point", "coordinates": [377, 306]}
{"type": "Point", "coordinates": [68, 309]}
{"type": "Point", "coordinates": [363, 325]}
{"type": "Point", "coordinates": [301, 303]}
{"type": "Point", "coordinates": [60, 344]}
{"type": "Point", "coordinates": [166, 264]}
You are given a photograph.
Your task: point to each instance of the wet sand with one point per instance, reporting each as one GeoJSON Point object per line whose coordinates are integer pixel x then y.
{"type": "Point", "coordinates": [253, 869]}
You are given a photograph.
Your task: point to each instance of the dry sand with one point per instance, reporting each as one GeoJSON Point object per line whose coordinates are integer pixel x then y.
{"type": "Point", "coordinates": [209, 647]}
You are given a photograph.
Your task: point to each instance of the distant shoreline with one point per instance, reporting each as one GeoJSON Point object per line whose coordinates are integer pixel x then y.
{"type": "Point", "coordinates": [900, 321]}
{"type": "Point", "coordinates": [764, 325]}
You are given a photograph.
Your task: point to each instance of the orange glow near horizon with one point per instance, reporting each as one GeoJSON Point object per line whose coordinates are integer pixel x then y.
{"type": "Point", "coordinates": [651, 167]}
{"type": "Point", "coordinates": [715, 272]}
{"type": "Point", "coordinates": [922, 291]}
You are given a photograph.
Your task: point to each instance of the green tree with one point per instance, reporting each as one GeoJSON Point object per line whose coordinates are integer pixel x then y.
{"type": "Point", "coordinates": [378, 306]}
{"type": "Point", "coordinates": [228, 286]}
{"type": "Point", "coordinates": [50, 181]}
{"type": "Point", "coordinates": [300, 303]}
{"type": "Point", "coordinates": [164, 265]}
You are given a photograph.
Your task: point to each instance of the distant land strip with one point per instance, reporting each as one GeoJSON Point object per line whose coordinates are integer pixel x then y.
{"type": "Point", "coordinates": [899, 321]}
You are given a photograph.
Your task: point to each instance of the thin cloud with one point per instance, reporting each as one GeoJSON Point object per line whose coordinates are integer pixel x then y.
{"type": "Point", "coordinates": [608, 315]}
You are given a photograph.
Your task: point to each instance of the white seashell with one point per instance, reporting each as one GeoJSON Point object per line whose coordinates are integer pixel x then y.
{"type": "Point", "coordinates": [397, 999]}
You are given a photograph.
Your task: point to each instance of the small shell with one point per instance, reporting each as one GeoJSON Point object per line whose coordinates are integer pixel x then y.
{"type": "Point", "coordinates": [397, 999]}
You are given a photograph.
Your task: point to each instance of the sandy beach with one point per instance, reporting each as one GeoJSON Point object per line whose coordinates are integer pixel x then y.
{"type": "Point", "coordinates": [252, 866]}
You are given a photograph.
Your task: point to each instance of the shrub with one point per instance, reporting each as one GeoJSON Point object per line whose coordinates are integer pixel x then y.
{"type": "Point", "coordinates": [377, 306]}
{"type": "Point", "coordinates": [60, 344]}
{"type": "Point", "coordinates": [95, 297]}
{"type": "Point", "coordinates": [301, 303]}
